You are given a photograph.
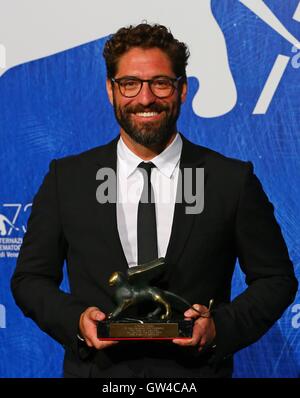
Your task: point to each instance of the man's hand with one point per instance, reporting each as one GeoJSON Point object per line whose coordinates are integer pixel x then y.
{"type": "Point", "coordinates": [88, 328]}
{"type": "Point", "coordinates": [204, 330]}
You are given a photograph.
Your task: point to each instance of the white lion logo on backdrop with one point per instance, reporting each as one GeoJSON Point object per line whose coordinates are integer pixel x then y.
{"type": "Point", "coordinates": [34, 29]}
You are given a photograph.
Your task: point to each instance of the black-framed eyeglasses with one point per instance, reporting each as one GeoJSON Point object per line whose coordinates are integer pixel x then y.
{"type": "Point", "coordinates": [161, 87]}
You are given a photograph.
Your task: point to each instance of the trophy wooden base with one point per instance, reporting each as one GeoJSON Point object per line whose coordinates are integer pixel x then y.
{"type": "Point", "coordinates": [144, 330]}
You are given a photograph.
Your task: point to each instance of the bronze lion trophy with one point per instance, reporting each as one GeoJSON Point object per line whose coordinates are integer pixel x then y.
{"type": "Point", "coordinates": [156, 317]}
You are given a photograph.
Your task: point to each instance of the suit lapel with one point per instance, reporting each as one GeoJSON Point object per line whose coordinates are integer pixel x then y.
{"type": "Point", "coordinates": [192, 157]}
{"type": "Point", "coordinates": [107, 212]}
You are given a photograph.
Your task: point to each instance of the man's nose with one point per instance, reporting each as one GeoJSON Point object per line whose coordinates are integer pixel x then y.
{"type": "Point", "coordinates": [146, 96]}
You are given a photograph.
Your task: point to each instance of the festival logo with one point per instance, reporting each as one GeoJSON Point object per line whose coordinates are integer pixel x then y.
{"type": "Point", "coordinates": [13, 218]}
{"type": "Point", "coordinates": [217, 93]}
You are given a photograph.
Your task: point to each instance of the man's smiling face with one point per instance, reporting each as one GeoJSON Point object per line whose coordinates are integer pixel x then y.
{"type": "Point", "coordinates": [147, 119]}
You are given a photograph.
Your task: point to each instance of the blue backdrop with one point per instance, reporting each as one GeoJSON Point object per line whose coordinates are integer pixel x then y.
{"type": "Point", "coordinates": [57, 106]}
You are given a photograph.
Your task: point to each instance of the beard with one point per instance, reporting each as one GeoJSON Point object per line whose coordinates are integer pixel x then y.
{"type": "Point", "coordinates": [149, 133]}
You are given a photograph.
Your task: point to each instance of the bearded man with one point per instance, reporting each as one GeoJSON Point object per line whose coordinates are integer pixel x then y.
{"type": "Point", "coordinates": [146, 85]}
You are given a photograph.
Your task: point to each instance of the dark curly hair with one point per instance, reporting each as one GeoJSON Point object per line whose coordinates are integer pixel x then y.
{"type": "Point", "coordinates": [145, 36]}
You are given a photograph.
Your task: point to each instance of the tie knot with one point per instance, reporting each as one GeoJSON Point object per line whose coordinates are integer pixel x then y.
{"type": "Point", "coordinates": [147, 167]}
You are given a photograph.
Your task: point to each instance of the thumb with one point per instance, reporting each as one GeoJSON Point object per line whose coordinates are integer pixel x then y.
{"type": "Point", "coordinates": [191, 313]}
{"type": "Point", "coordinates": [97, 315]}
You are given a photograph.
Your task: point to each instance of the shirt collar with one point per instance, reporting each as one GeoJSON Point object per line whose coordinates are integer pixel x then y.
{"type": "Point", "coordinates": [165, 162]}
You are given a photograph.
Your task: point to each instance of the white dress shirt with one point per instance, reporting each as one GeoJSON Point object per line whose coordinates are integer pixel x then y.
{"type": "Point", "coordinates": [164, 178]}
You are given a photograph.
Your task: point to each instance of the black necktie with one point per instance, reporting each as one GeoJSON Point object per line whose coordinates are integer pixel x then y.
{"type": "Point", "coordinates": [146, 219]}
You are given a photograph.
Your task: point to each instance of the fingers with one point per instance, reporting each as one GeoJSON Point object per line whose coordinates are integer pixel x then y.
{"type": "Point", "coordinates": [203, 342]}
{"type": "Point", "coordinates": [88, 328]}
{"type": "Point", "coordinates": [100, 345]}
{"type": "Point", "coordinates": [201, 330]}
{"type": "Point", "coordinates": [196, 337]}
{"type": "Point", "coordinates": [196, 311]}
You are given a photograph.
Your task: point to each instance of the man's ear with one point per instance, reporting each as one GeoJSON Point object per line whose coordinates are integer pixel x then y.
{"type": "Point", "coordinates": [183, 93]}
{"type": "Point", "coordinates": [109, 90]}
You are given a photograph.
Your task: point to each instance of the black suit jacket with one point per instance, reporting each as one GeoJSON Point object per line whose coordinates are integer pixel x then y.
{"type": "Point", "coordinates": [67, 223]}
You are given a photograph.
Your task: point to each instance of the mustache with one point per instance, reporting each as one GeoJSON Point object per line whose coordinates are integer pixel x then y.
{"type": "Point", "coordinates": [150, 108]}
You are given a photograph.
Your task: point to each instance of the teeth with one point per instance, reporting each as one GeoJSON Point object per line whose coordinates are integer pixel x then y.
{"type": "Point", "coordinates": [147, 114]}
